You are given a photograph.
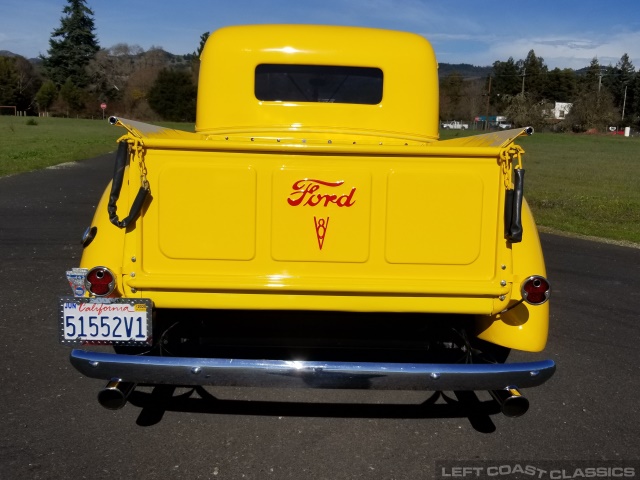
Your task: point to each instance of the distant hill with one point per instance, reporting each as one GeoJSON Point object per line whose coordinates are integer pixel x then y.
{"type": "Point", "coordinates": [7, 53]}
{"type": "Point", "coordinates": [444, 69]}
{"type": "Point", "coordinates": [161, 55]}
{"type": "Point", "coordinates": [463, 69]}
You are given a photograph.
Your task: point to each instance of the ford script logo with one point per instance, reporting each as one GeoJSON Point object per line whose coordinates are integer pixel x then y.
{"type": "Point", "coordinates": [309, 192]}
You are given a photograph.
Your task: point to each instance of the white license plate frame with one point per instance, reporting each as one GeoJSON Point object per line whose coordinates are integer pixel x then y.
{"type": "Point", "coordinates": [105, 321]}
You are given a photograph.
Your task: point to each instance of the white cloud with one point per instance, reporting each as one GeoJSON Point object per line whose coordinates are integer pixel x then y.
{"type": "Point", "coordinates": [563, 52]}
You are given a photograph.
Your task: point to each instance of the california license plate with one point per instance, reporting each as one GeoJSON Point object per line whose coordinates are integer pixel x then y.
{"type": "Point", "coordinates": [125, 321]}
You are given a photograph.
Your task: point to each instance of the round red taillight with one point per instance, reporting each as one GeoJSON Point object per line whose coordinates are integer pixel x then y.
{"type": "Point", "coordinates": [100, 281]}
{"type": "Point", "coordinates": [535, 290]}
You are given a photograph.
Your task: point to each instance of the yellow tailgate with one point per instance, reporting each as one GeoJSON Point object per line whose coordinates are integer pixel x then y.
{"type": "Point", "coordinates": [227, 221]}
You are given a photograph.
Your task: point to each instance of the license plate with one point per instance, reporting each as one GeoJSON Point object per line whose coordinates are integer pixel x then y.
{"type": "Point", "coordinates": [123, 321]}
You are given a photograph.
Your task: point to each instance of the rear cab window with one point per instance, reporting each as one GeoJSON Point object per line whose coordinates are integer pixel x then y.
{"type": "Point", "coordinates": [318, 83]}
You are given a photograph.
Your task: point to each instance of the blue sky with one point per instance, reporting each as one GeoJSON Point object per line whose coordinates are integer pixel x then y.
{"type": "Point", "coordinates": [566, 33]}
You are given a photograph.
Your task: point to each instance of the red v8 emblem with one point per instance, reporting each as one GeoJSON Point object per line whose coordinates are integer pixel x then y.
{"type": "Point", "coordinates": [322, 224]}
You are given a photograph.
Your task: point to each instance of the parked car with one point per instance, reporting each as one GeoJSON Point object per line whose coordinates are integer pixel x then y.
{"type": "Point", "coordinates": [455, 125]}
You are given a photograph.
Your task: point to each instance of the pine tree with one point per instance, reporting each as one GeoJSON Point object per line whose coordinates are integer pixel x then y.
{"type": "Point", "coordinates": [561, 85]}
{"type": "Point", "coordinates": [195, 58]}
{"type": "Point", "coordinates": [506, 79]}
{"type": "Point", "coordinates": [72, 45]}
{"type": "Point", "coordinates": [617, 79]}
{"type": "Point", "coordinates": [592, 79]}
{"type": "Point", "coordinates": [627, 88]}
{"type": "Point", "coordinates": [533, 73]}
{"type": "Point", "coordinates": [203, 40]}
{"type": "Point", "coordinates": [173, 96]}
{"type": "Point", "coordinates": [506, 83]}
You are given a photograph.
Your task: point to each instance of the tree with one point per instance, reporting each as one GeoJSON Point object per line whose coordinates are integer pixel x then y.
{"type": "Point", "coordinates": [627, 85]}
{"type": "Point", "coordinates": [524, 109]}
{"type": "Point", "coordinates": [173, 96]}
{"type": "Point", "coordinates": [19, 82]}
{"type": "Point", "coordinates": [634, 100]}
{"type": "Point", "coordinates": [619, 78]}
{"type": "Point", "coordinates": [195, 60]}
{"type": "Point", "coordinates": [46, 95]}
{"type": "Point", "coordinates": [203, 40]}
{"type": "Point", "coordinates": [111, 69]}
{"type": "Point", "coordinates": [534, 76]}
{"type": "Point", "coordinates": [136, 92]}
{"type": "Point", "coordinates": [592, 77]}
{"type": "Point", "coordinates": [506, 82]}
{"type": "Point", "coordinates": [593, 105]}
{"type": "Point", "coordinates": [451, 93]}
{"type": "Point", "coordinates": [72, 96]}
{"type": "Point", "coordinates": [561, 85]}
{"type": "Point", "coordinates": [592, 110]}
{"type": "Point", "coordinates": [72, 46]}
{"type": "Point", "coordinates": [8, 81]}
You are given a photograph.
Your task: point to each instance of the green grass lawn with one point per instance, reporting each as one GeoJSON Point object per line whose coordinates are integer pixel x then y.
{"type": "Point", "coordinates": [585, 184]}
{"type": "Point", "coordinates": [25, 147]}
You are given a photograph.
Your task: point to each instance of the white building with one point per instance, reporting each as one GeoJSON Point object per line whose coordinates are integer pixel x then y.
{"type": "Point", "coordinates": [561, 109]}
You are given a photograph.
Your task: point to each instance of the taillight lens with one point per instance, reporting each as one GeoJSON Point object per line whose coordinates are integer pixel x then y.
{"type": "Point", "coordinates": [100, 281]}
{"type": "Point", "coordinates": [535, 290]}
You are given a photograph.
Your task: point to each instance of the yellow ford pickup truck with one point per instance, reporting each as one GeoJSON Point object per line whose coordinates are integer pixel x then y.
{"type": "Point", "coordinates": [312, 232]}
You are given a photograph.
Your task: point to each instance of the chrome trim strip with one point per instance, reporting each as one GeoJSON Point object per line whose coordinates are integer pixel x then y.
{"type": "Point", "coordinates": [304, 374]}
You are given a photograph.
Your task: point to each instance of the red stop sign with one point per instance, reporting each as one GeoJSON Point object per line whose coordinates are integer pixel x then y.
{"type": "Point", "coordinates": [103, 106]}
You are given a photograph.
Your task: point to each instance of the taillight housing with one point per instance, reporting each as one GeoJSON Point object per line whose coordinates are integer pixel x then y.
{"type": "Point", "coordinates": [535, 290]}
{"type": "Point", "coordinates": [100, 281]}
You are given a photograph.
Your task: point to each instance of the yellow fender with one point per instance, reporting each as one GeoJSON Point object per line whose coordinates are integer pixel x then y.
{"type": "Point", "coordinates": [523, 326]}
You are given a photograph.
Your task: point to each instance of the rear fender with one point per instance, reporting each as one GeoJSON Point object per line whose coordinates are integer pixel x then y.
{"type": "Point", "coordinates": [523, 327]}
{"type": "Point", "coordinates": [107, 247]}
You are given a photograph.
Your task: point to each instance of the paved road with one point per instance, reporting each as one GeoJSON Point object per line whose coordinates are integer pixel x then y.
{"type": "Point", "coordinates": [52, 427]}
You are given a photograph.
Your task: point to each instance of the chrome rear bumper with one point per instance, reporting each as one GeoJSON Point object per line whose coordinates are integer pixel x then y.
{"type": "Point", "coordinates": [304, 374]}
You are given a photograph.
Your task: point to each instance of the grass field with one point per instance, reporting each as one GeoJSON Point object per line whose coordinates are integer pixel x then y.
{"type": "Point", "coordinates": [25, 147]}
{"type": "Point", "coordinates": [585, 184]}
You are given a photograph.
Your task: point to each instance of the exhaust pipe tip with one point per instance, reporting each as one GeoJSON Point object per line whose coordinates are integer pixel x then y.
{"type": "Point", "coordinates": [512, 402]}
{"type": "Point", "coordinates": [114, 395]}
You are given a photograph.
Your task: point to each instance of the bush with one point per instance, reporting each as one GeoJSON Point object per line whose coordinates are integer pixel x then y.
{"type": "Point", "coordinates": [592, 110]}
{"type": "Point", "coordinates": [525, 110]}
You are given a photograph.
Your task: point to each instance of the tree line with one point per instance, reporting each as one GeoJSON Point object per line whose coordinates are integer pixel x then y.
{"type": "Point", "coordinates": [525, 91]}
{"type": "Point", "coordinates": [77, 76]}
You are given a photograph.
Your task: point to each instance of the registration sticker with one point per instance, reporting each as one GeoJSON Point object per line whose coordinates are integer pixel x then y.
{"type": "Point", "coordinates": [76, 278]}
{"type": "Point", "coordinates": [106, 321]}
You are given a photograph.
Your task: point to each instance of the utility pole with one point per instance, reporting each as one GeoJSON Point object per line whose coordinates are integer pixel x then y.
{"type": "Point", "coordinates": [624, 103]}
{"type": "Point", "coordinates": [524, 73]}
{"type": "Point", "coordinates": [486, 120]}
{"type": "Point", "coordinates": [599, 81]}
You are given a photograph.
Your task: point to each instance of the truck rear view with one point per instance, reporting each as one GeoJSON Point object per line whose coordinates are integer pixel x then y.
{"type": "Point", "coordinates": [312, 232]}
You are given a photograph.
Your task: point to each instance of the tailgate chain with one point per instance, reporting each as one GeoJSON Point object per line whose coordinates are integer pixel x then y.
{"type": "Point", "coordinates": [514, 198]}
{"type": "Point", "coordinates": [122, 157]}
